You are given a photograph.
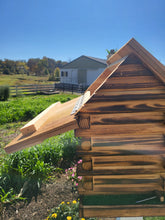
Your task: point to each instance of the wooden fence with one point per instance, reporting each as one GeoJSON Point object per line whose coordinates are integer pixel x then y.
{"type": "Point", "coordinates": [31, 89]}
{"type": "Point", "coordinates": [45, 89]}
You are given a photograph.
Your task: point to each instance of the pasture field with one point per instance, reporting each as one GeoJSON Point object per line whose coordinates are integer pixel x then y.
{"type": "Point", "coordinates": [13, 80]}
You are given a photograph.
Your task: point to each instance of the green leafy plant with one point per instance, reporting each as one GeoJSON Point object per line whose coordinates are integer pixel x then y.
{"type": "Point", "coordinates": [8, 197]}
{"type": "Point", "coordinates": [24, 171]}
{"type": "Point", "coordinates": [4, 93]}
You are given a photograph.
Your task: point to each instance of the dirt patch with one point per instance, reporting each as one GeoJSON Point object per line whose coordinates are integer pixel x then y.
{"type": "Point", "coordinates": [52, 194]}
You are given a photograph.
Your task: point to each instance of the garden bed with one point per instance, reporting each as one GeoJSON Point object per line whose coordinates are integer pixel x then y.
{"type": "Point", "coordinates": [52, 194]}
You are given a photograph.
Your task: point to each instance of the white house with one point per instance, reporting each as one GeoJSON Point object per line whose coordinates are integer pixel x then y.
{"type": "Point", "coordinates": [83, 70]}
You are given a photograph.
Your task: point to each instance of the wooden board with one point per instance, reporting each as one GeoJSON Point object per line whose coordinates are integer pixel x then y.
{"type": "Point", "coordinates": [126, 118]}
{"type": "Point", "coordinates": [107, 95]}
{"type": "Point", "coordinates": [125, 106]}
{"type": "Point", "coordinates": [38, 121]}
{"type": "Point", "coordinates": [56, 124]}
{"type": "Point", "coordinates": [122, 211]}
{"type": "Point", "coordinates": [128, 141]}
{"type": "Point", "coordinates": [123, 130]}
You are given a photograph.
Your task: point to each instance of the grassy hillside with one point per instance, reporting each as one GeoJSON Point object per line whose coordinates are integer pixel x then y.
{"type": "Point", "coordinates": [19, 79]}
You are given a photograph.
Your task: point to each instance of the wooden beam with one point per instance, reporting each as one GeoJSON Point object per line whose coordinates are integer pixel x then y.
{"type": "Point", "coordinates": [38, 121]}
{"type": "Point", "coordinates": [59, 122]}
{"type": "Point", "coordinates": [122, 210]}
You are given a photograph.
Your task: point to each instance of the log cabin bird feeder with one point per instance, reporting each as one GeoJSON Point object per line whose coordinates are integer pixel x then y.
{"type": "Point", "coordinates": [121, 122]}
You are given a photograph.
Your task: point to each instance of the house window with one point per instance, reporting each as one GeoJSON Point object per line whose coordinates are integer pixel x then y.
{"type": "Point", "coordinates": [64, 73]}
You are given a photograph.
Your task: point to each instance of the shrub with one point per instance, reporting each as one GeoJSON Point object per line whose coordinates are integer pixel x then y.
{"type": "Point", "coordinates": [4, 93]}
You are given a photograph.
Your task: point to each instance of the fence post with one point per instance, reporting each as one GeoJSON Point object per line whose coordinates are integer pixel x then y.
{"type": "Point", "coordinates": [72, 88]}
{"type": "Point", "coordinates": [16, 90]}
{"type": "Point", "coordinates": [36, 89]}
{"type": "Point", "coordinates": [63, 87]}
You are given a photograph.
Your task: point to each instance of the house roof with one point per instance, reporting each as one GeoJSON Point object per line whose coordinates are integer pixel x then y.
{"type": "Point", "coordinates": [104, 61]}
{"type": "Point", "coordinates": [64, 117]}
{"type": "Point", "coordinates": [98, 60]}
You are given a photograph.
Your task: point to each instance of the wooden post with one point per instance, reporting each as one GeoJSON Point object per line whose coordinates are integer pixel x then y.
{"type": "Point", "coordinates": [16, 88]}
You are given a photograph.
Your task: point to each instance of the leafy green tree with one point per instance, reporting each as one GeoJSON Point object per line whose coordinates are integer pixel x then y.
{"type": "Point", "coordinates": [111, 52]}
{"type": "Point", "coordinates": [57, 74]}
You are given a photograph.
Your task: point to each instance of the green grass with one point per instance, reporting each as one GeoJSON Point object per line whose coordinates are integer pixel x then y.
{"type": "Point", "coordinates": [13, 80]}
{"type": "Point", "coordinates": [27, 107]}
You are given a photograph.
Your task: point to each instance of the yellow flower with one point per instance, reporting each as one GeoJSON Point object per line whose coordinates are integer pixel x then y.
{"type": "Point", "coordinates": [69, 217]}
{"type": "Point", "coordinates": [68, 203]}
{"type": "Point", "coordinates": [62, 203]}
{"type": "Point", "coordinates": [74, 202]}
{"type": "Point", "coordinates": [82, 218]}
{"type": "Point", "coordinates": [54, 215]}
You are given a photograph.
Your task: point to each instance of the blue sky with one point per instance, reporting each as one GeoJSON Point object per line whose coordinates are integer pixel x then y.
{"type": "Point", "coordinates": [67, 29]}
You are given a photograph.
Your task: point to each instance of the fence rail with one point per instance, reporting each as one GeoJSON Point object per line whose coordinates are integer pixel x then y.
{"type": "Point", "coordinates": [45, 89]}
{"type": "Point", "coordinates": [31, 89]}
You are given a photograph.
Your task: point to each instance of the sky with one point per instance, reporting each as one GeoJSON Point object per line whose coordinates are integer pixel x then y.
{"type": "Point", "coordinates": [66, 29]}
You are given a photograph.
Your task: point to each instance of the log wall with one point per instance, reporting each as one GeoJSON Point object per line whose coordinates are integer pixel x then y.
{"type": "Point", "coordinates": [123, 126]}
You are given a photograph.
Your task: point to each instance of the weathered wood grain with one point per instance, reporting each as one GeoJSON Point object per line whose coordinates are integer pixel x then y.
{"type": "Point", "coordinates": [120, 170]}
{"type": "Point", "coordinates": [108, 162]}
{"type": "Point", "coordinates": [86, 145]}
{"type": "Point", "coordinates": [128, 129]}
{"type": "Point", "coordinates": [128, 183]}
{"type": "Point", "coordinates": [125, 106]}
{"type": "Point", "coordinates": [132, 80]}
{"type": "Point", "coordinates": [133, 86]}
{"type": "Point", "coordinates": [128, 188]}
{"type": "Point", "coordinates": [133, 140]}
{"type": "Point", "coordinates": [127, 118]}
{"type": "Point", "coordinates": [122, 210]}
{"type": "Point", "coordinates": [124, 150]}
{"type": "Point", "coordinates": [108, 95]}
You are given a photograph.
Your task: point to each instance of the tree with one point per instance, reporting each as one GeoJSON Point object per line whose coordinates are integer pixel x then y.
{"type": "Point", "coordinates": [111, 52]}
{"type": "Point", "coordinates": [57, 74]}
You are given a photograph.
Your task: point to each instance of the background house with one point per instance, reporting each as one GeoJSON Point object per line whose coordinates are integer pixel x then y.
{"type": "Point", "coordinates": [83, 70]}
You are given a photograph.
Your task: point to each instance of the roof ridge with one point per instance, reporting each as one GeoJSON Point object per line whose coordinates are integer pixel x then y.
{"type": "Point", "coordinates": [132, 46]}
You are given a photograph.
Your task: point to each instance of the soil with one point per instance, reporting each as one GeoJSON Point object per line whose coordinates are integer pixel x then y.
{"type": "Point", "coordinates": [52, 194]}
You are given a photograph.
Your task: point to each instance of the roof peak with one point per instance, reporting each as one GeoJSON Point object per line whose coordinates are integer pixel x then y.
{"type": "Point", "coordinates": [132, 46]}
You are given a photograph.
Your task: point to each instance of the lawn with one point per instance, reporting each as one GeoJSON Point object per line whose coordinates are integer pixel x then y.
{"type": "Point", "coordinates": [12, 80]}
